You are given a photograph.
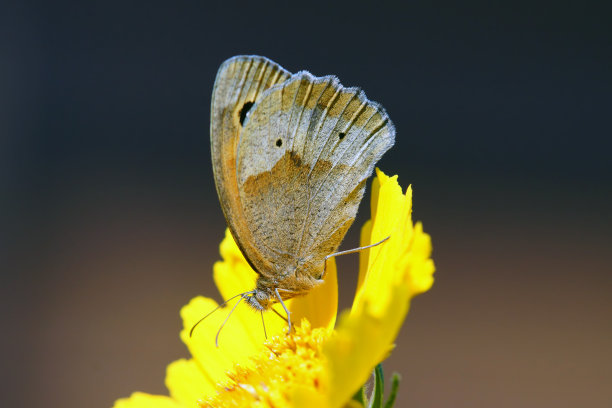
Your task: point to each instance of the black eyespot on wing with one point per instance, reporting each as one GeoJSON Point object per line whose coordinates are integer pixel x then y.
{"type": "Point", "coordinates": [341, 135]}
{"type": "Point", "coordinates": [279, 143]}
{"type": "Point", "coordinates": [243, 112]}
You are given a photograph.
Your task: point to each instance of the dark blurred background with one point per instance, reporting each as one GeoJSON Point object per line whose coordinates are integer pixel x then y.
{"type": "Point", "coordinates": [110, 219]}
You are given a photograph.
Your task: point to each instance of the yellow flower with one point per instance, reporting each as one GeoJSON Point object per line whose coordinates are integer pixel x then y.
{"type": "Point", "coordinates": [321, 362]}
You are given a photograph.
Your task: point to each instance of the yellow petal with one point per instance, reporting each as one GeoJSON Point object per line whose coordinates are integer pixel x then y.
{"type": "Point", "coordinates": [364, 256]}
{"type": "Point", "coordinates": [421, 268]}
{"type": "Point", "coordinates": [396, 270]}
{"type": "Point", "coordinates": [234, 343]}
{"type": "Point", "coordinates": [288, 372]}
{"type": "Point", "coordinates": [242, 334]}
{"type": "Point", "coordinates": [233, 275]}
{"type": "Point", "coordinates": [142, 400]}
{"type": "Point", "coordinates": [361, 341]}
{"type": "Point", "coordinates": [320, 305]}
{"type": "Point", "coordinates": [387, 262]}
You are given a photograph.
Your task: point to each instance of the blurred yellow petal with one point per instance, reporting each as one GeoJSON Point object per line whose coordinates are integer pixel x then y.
{"type": "Point", "coordinates": [142, 400]}
{"type": "Point", "coordinates": [187, 382]}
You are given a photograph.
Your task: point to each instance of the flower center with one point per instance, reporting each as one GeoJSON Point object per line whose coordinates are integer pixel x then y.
{"type": "Point", "coordinates": [284, 362]}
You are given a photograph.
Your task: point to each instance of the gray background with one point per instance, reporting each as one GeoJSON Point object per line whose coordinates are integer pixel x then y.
{"type": "Point", "coordinates": [110, 220]}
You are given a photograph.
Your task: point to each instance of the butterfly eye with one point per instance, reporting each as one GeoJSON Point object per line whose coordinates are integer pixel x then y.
{"type": "Point", "coordinates": [341, 135]}
{"type": "Point", "coordinates": [243, 112]}
{"type": "Point", "coordinates": [279, 143]}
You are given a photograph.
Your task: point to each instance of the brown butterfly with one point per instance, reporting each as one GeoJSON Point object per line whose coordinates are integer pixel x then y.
{"type": "Point", "coordinates": [291, 154]}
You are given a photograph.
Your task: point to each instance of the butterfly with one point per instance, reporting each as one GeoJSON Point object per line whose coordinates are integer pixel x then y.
{"type": "Point", "coordinates": [291, 154]}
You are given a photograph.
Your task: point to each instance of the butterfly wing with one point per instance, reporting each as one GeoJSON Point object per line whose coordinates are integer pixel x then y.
{"type": "Point", "coordinates": [303, 158]}
{"type": "Point", "coordinates": [241, 81]}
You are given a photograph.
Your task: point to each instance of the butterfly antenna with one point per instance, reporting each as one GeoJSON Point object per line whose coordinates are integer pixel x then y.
{"type": "Point", "coordinates": [214, 310]}
{"type": "Point", "coordinates": [242, 296]}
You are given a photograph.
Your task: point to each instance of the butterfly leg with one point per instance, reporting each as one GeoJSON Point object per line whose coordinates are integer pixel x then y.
{"type": "Point", "coordinates": [284, 307]}
{"type": "Point", "coordinates": [278, 314]}
{"type": "Point", "coordinates": [263, 323]}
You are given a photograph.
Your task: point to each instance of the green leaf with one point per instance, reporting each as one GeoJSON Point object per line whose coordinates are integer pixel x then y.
{"type": "Point", "coordinates": [394, 387]}
{"type": "Point", "coordinates": [376, 400]}
{"type": "Point", "coordinates": [360, 396]}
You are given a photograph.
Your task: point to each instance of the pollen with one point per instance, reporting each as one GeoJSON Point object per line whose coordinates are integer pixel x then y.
{"type": "Point", "coordinates": [284, 363]}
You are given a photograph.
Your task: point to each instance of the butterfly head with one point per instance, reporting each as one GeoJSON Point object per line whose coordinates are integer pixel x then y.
{"type": "Point", "coordinates": [260, 298]}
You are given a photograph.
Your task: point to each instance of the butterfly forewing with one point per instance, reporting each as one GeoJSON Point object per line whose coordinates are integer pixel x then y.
{"type": "Point", "coordinates": [303, 156]}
